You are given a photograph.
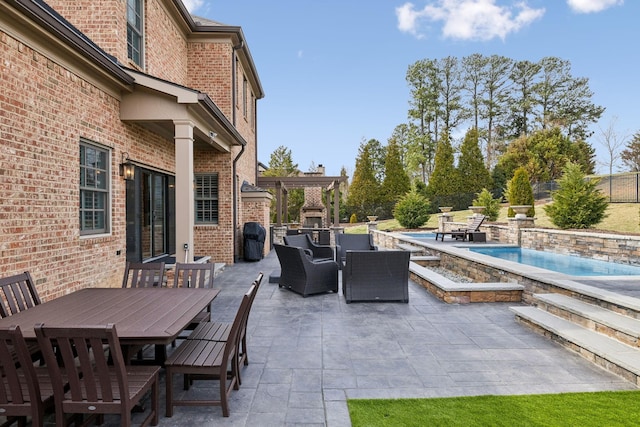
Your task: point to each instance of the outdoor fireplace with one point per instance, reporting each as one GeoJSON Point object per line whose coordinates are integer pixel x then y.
{"type": "Point", "coordinates": [313, 213]}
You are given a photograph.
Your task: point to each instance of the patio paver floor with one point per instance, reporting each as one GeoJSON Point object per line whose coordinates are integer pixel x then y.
{"type": "Point", "coordinates": [308, 355]}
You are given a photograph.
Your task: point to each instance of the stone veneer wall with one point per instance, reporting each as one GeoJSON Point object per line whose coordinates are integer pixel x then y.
{"type": "Point", "coordinates": [618, 248]}
{"type": "Point", "coordinates": [609, 247]}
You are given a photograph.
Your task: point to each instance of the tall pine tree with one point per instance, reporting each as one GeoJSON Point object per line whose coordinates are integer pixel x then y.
{"type": "Point", "coordinates": [472, 172]}
{"type": "Point", "coordinates": [364, 191]}
{"type": "Point", "coordinates": [443, 184]}
{"type": "Point", "coordinates": [396, 182]}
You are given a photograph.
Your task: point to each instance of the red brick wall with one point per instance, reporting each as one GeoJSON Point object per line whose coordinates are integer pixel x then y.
{"type": "Point", "coordinates": [210, 72]}
{"type": "Point", "coordinates": [105, 23]}
{"type": "Point", "coordinates": [216, 240]}
{"type": "Point", "coordinates": [45, 109]}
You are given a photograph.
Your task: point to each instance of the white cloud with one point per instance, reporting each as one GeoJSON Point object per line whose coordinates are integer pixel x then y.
{"type": "Point", "coordinates": [590, 6]}
{"type": "Point", "coordinates": [192, 5]}
{"type": "Point", "coordinates": [468, 19]}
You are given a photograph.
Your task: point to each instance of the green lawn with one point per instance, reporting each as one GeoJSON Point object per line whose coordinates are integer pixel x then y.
{"type": "Point", "coordinates": [622, 218]}
{"type": "Point", "coordinates": [597, 409]}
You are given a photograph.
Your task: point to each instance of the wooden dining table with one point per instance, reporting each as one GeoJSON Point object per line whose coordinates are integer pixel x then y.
{"type": "Point", "coordinates": [142, 316]}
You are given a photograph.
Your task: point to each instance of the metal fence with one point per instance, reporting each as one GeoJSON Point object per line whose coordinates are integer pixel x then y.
{"type": "Point", "coordinates": [619, 188]}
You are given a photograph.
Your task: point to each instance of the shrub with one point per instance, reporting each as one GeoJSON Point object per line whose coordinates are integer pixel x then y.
{"type": "Point", "coordinates": [412, 210]}
{"type": "Point", "coordinates": [353, 218]}
{"type": "Point", "coordinates": [491, 205]}
{"type": "Point", "coordinates": [520, 192]}
{"type": "Point", "coordinates": [577, 203]}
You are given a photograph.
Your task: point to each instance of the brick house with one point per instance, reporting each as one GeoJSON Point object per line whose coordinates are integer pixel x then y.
{"type": "Point", "coordinates": [127, 129]}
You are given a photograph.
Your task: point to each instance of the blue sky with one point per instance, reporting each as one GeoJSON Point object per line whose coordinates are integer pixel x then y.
{"type": "Point", "coordinates": [333, 71]}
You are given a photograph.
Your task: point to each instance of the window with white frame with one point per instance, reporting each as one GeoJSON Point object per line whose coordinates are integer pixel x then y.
{"type": "Point", "coordinates": [206, 198]}
{"type": "Point", "coordinates": [135, 31]}
{"type": "Point", "coordinates": [94, 189]}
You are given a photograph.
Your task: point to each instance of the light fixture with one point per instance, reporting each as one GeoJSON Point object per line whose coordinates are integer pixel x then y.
{"type": "Point", "coordinates": [127, 168]}
{"type": "Point", "coordinates": [212, 134]}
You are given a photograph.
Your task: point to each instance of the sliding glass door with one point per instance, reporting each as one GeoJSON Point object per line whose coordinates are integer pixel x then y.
{"type": "Point", "coordinates": [150, 215]}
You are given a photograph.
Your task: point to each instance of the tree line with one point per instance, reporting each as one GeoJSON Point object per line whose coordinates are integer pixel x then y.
{"type": "Point", "coordinates": [471, 123]}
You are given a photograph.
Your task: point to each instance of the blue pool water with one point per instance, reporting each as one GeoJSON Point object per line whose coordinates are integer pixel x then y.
{"type": "Point", "coordinates": [420, 235]}
{"type": "Point", "coordinates": [567, 264]}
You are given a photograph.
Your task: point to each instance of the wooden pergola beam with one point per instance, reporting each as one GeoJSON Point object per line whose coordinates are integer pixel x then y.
{"type": "Point", "coordinates": [282, 183]}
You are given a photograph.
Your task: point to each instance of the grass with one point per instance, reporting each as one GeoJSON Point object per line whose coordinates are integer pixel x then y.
{"type": "Point", "coordinates": [567, 409]}
{"type": "Point", "coordinates": [621, 218]}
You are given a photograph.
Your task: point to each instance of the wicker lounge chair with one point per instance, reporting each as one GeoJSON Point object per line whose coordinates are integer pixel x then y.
{"type": "Point", "coordinates": [376, 276]}
{"type": "Point", "coordinates": [300, 273]}
{"type": "Point", "coordinates": [463, 232]}
{"type": "Point", "coordinates": [352, 242]}
{"type": "Point", "coordinates": [318, 252]}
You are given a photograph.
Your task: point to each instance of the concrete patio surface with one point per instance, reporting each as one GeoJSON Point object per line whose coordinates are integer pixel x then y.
{"type": "Point", "coordinates": [309, 355]}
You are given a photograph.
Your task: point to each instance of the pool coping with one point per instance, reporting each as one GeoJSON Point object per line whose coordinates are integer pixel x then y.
{"type": "Point", "coordinates": [555, 279]}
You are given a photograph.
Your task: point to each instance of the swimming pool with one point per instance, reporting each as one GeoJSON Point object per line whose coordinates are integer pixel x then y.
{"type": "Point", "coordinates": [567, 264]}
{"type": "Point", "coordinates": [425, 235]}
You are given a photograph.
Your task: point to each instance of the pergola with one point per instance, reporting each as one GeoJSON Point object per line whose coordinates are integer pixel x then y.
{"type": "Point", "coordinates": [283, 183]}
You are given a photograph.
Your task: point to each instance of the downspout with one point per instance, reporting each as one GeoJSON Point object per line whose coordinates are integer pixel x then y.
{"type": "Point", "coordinates": [235, 160]}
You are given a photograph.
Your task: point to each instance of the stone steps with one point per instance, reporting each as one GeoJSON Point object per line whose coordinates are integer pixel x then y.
{"type": "Point", "coordinates": [624, 328]}
{"type": "Point", "coordinates": [604, 350]}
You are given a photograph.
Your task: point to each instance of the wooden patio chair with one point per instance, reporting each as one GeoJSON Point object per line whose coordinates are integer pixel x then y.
{"type": "Point", "coordinates": [143, 275]}
{"type": "Point", "coordinates": [25, 391]}
{"type": "Point", "coordinates": [207, 360]}
{"type": "Point", "coordinates": [99, 380]}
{"type": "Point", "coordinates": [195, 275]}
{"type": "Point", "coordinates": [219, 331]}
{"type": "Point", "coordinates": [18, 293]}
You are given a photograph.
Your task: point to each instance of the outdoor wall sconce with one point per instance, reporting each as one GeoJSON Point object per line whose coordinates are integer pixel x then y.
{"type": "Point", "coordinates": [127, 168]}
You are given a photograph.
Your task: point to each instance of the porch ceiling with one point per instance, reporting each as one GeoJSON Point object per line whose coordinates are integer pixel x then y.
{"type": "Point", "coordinates": [156, 104]}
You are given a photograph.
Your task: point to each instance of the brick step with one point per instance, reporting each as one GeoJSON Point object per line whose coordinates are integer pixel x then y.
{"type": "Point", "coordinates": [609, 353]}
{"type": "Point", "coordinates": [600, 319]}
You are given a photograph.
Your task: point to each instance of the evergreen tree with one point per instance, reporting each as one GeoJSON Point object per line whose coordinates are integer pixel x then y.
{"type": "Point", "coordinates": [577, 203]}
{"type": "Point", "coordinates": [412, 210]}
{"type": "Point", "coordinates": [396, 182]}
{"type": "Point", "coordinates": [364, 191]}
{"type": "Point", "coordinates": [491, 205]}
{"type": "Point", "coordinates": [443, 185]}
{"type": "Point", "coordinates": [520, 192]}
{"type": "Point", "coordinates": [472, 172]}
{"type": "Point", "coordinates": [281, 164]}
